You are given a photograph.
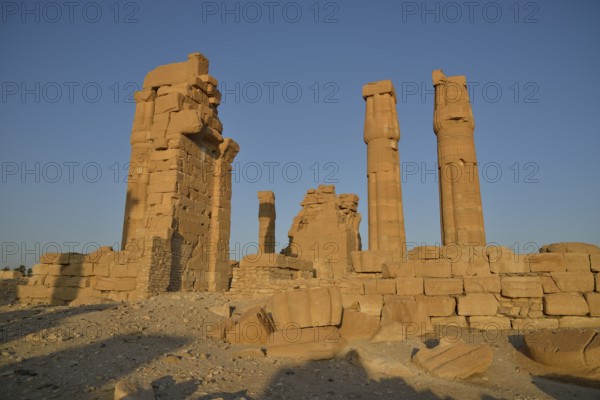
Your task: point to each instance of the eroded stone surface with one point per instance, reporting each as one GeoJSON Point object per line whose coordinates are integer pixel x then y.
{"type": "Point", "coordinates": [455, 360]}
{"type": "Point", "coordinates": [564, 349]}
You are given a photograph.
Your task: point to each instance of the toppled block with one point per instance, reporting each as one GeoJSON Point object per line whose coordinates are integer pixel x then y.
{"type": "Point", "coordinates": [254, 326]}
{"type": "Point", "coordinates": [306, 308]}
{"type": "Point", "coordinates": [455, 361]}
{"type": "Point", "coordinates": [318, 343]}
{"type": "Point", "coordinates": [564, 349]}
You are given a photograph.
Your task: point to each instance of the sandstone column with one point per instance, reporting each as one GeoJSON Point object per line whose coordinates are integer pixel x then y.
{"type": "Point", "coordinates": [266, 222]}
{"type": "Point", "coordinates": [460, 197]}
{"type": "Point", "coordinates": [382, 133]}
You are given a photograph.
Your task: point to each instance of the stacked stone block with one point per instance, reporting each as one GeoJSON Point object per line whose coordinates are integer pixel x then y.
{"type": "Point", "coordinates": [178, 205]}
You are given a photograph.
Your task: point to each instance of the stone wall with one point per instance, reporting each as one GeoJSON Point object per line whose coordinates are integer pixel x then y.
{"type": "Point", "coordinates": [487, 287]}
{"type": "Point", "coordinates": [179, 192]}
{"type": "Point", "coordinates": [72, 278]}
{"type": "Point", "coordinates": [178, 205]}
{"type": "Point", "coordinates": [326, 230]}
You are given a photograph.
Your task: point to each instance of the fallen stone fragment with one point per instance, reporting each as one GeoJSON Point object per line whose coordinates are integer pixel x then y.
{"type": "Point", "coordinates": [455, 360]}
{"type": "Point", "coordinates": [564, 349]}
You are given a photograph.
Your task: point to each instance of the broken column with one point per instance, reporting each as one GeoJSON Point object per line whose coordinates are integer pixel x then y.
{"type": "Point", "coordinates": [460, 196]}
{"type": "Point", "coordinates": [382, 133]}
{"type": "Point", "coordinates": [266, 222]}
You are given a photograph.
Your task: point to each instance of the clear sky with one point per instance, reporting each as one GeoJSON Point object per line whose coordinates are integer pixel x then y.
{"type": "Point", "coordinates": [291, 76]}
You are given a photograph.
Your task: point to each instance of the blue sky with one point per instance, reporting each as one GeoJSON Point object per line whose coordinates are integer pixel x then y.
{"type": "Point", "coordinates": [291, 75]}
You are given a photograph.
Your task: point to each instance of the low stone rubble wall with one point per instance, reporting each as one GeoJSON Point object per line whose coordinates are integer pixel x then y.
{"type": "Point", "coordinates": [493, 289]}
{"type": "Point", "coordinates": [72, 278]}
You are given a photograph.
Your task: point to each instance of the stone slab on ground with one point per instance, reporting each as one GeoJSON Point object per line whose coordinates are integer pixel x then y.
{"type": "Point", "coordinates": [458, 360]}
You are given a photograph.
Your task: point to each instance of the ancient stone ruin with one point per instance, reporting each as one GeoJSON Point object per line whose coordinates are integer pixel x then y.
{"type": "Point", "coordinates": [178, 206]}
{"type": "Point", "coordinates": [177, 226]}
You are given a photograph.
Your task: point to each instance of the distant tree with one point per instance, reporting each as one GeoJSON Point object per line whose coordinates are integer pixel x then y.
{"type": "Point", "coordinates": [29, 271]}
{"type": "Point", "coordinates": [22, 269]}
{"type": "Point", "coordinates": [5, 269]}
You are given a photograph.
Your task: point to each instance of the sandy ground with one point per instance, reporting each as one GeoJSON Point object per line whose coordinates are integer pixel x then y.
{"type": "Point", "coordinates": [81, 352]}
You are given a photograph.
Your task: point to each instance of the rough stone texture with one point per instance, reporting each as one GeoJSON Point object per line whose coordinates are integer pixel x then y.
{"type": "Point", "coordinates": [564, 349]}
{"type": "Point", "coordinates": [409, 286]}
{"type": "Point", "coordinates": [438, 306]}
{"type": "Point", "coordinates": [266, 222]}
{"type": "Point", "coordinates": [570, 247]}
{"type": "Point", "coordinates": [534, 324]}
{"type": "Point", "coordinates": [578, 262]}
{"type": "Point", "coordinates": [460, 197]}
{"type": "Point", "coordinates": [595, 262]}
{"type": "Point", "coordinates": [482, 284]}
{"type": "Point", "coordinates": [456, 360]}
{"type": "Point", "coordinates": [357, 325]}
{"type": "Point", "coordinates": [456, 321]}
{"type": "Point", "coordinates": [579, 322]}
{"type": "Point", "coordinates": [381, 135]}
{"type": "Point", "coordinates": [433, 268]}
{"type": "Point", "coordinates": [370, 260]}
{"type": "Point", "coordinates": [326, 230]}
{"type": "Point", "coordinates": [254, 326]}
{"type": "Point", "coordinates": [403, 317]}
{"type": "Point", "coordinates": [489, 323]}
{"type": "Point", "coordinates": [547, 262]}
{"type": "Point", "coordinates": [593, 300]}
{"type": "Point", "coordinates": [306, 308]}
{"type": "Point", "coordinates": [371, 304]}
{"type": "Point", "coordinates": [565, 304]}
{"type": "Point", "coordinates": [478, 304]}
{"type": "Point", "coordinates": [522, 287]}
{"type": "Point", "coordinates": [320, 343]}
{"type": "Point", "coordinates": [574, 281]}
{"type": "Point", "coordinates": [441, 286]}
{"type": "Point", "coordinates": [503, 261]}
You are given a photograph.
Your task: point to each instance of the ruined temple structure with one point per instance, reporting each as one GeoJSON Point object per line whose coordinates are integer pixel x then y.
{"type": "Point", "coordinates": [326, 230]}
{"type": "Point", "coordinates": [266, 222]}
{"type": "Point", "coordinates": [460, 196]}
{"type": "Point", "coordinates": [321, 240]}
{"type": "Point", "coordinates": [177, 225]}
{"type": "Point", "coordinates": [178, 206]}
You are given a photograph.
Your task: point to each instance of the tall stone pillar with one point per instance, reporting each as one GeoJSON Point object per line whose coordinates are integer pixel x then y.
{"type": "Point", "coordinates": [382, 133]}
{"type": "Point", "coordinates": [266, 222]}
{"type": "Point", "coordinates": [460, 196]}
